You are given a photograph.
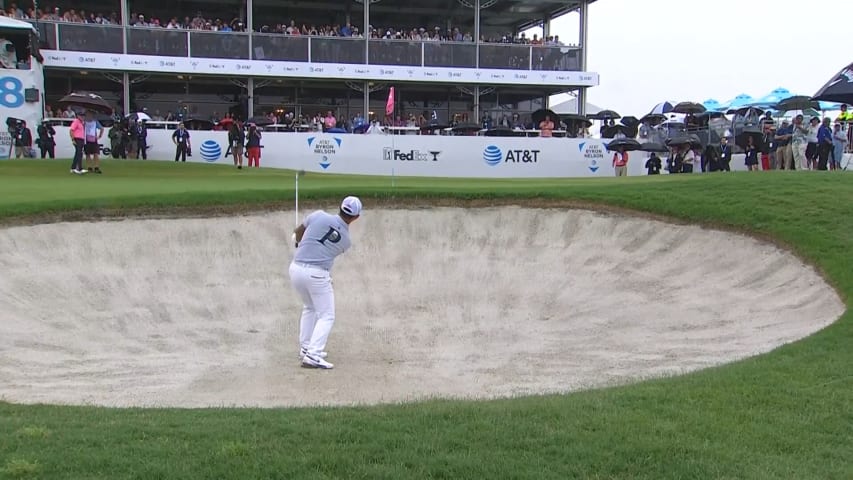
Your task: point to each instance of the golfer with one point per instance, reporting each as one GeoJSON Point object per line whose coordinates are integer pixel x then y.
{"type": "Point", "coordinates": [319, 240]}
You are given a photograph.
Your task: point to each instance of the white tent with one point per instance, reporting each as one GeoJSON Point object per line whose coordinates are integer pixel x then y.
{"type": "Point", "coordinates": [571, 106]}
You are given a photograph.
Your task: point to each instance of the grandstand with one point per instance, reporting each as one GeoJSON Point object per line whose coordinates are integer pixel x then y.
{"type": "Point", "coordinates": [445, 58]}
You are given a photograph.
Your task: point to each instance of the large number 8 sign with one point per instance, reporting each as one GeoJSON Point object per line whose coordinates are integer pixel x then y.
{"type": "Point", "coordinates": [11, 92]}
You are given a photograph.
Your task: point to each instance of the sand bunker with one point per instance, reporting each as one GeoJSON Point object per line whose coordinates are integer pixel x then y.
{"type": "Point", "coordinates": [442, 302]}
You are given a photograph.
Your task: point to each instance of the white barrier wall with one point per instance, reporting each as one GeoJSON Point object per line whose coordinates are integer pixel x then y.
{"type": "Point", "coordinates": [403, 155]}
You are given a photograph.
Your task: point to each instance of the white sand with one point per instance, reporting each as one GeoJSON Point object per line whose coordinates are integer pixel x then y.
{"type": "Point", "coordinates": [434, 302]}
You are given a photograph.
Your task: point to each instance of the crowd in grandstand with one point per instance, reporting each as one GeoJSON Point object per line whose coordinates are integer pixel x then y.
{"type": "Point", "coordinates": [201, 22]}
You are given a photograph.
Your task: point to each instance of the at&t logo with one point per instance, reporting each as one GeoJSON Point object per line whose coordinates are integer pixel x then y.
{"type": "Point", "coordinates": [210, 151]}
{"type": "Point", "coordinates": [493, 156]}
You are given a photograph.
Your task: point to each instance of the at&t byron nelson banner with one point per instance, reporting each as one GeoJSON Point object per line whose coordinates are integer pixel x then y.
{"type": "Point", "coordinates": [400, 155]}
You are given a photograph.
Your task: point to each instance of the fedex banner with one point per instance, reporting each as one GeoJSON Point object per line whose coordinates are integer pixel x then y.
{"type": "Point", "coordinates": [401, 155]}
{"type": "Point", "coordinates": [314, 71]}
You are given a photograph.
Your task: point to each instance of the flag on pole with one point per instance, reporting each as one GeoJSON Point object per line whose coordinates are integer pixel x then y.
{"type": "Point", "coordinates": [389, 106]}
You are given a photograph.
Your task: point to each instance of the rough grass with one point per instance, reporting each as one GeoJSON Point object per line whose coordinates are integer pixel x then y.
{"type": "Point", "coordinates": [784, 415]}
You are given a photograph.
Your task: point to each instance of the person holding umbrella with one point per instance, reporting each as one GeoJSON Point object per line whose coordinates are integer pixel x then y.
{"type": "Point", "coordinates": [620, 162]}
{"type": "Point", "coordinates": [94, 131]}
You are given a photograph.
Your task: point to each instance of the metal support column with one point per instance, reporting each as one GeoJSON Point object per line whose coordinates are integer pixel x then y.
{"type": "Point", "coordinates": [125, 85]}
{"type": "Point", "coordinates": [250, 103]}
{"type": "Point", "coordinates": [367, 101]}
{"type": "Point", "coordinates": [477, 33]}
{"type": "Point", "coordinates": [366, 30]}
{"type": "Point", "coordinates": [584, 36]}
{"type": "Point", "coordinates": [124, 22]}
{"type": "Point", "coordinates": [546, 27]}
{"type": "Point", "coordinates": [476, 118]}
{"type": "Point", "coordinates": [250, 25]}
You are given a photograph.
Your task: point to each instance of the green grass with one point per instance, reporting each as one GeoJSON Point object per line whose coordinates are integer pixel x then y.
{"type": "Point", "coordinates": [784, 415]}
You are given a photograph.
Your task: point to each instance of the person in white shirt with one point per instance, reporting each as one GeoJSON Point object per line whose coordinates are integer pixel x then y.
{"type": "Point", "coordinates": [320, 239]}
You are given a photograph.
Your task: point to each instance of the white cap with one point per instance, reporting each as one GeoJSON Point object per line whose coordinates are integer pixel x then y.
{"type": "Point", "coordinates": [351, 206]}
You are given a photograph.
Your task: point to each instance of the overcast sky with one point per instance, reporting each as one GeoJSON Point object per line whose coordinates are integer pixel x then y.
{"type": "Point", "coordinates": [648, 51]}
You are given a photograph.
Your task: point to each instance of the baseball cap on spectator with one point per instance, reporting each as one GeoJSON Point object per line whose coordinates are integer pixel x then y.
{"type": "Point", "coordinates": [351, 206]}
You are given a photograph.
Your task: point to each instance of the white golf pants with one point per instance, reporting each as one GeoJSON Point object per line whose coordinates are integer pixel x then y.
{"type": "Point", "coordinates": [314, 286]}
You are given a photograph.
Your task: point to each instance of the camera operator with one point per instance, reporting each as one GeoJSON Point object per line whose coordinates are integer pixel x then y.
{"type": "Point", "coordinates": [45, 141]}
{"type": "Point", "coordinates": [253, 145]}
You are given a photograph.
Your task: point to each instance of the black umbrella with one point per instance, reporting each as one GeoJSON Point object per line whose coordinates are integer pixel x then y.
{"type": "Point", "coordinates": [839, 88]}
{"type": "Point", "coordinates": [757, 138]}
{"type": "Point", "coordinates": [798, 102]}
{"type": "Point", "coordinates": [653, 147]}
{"type": "Point", "coordinates": [630, 122]}
{"type": "Point", "coordinates": [688, 107]}
{"type": "Point", "coordinates": [198, 124]}
{"type": "Point", "coordinates": [260, 121]}
{"type": "Point", "coordinates": [745, 111]}
{"type": "Point", "coordinates": [626, 144]}
{"type": "Point", "coordinates": [604, 115]}
{"type": "Point", "coordinates": [612, 131]}
{"type": "Point", "coordinates": [466, 127]}
{"type": "Point", "coordinates": [654, 118]}
{"type": "Point", "coordinates": [88, 101]}
{"type": "Point", "coordinates": [571, 118]}
{"type": "Point", "coordinates": [691, 140]}
{"type": "Point", "coordinates": [539, 115]}
{"type": "Point", "coordinates": [503, 132]}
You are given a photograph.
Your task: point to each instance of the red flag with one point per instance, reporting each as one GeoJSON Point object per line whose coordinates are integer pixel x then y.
{"type": "Point", "coordinates": [389, 106]}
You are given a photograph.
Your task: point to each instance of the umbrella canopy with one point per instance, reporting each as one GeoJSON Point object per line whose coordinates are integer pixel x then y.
{"type": "Point", "coordinates": [198, 124]}
{"type": "Point", "coordinates": [797, 102]}
{"type": "Point", "coordinates": [688, 107]}
{"type": "Point", "coordinates": [654, 118]}
{"type": "Point", "coordinates": [605, 115]}
{"type": "Point", "coordinates": [611, 132]}
{"type": "Point", "coordinates": [756, 135]}
{"type": "Point", "coordinates": [772, 98]}
{"type": "Point", "coordinates": [745, 111]}
{"type": "Point", "coordinates": [626, 144]}
{"type": "Point", "coordinates": [630, 122]}
{"type": "Point", "coordinates": [260, 121]}
{"type": "Point", "coordinates": [739, 101]}
{"type": "Point", "coordinates": [139, 117]}
{"type": "Point", "coordinates": [574, 119]}
{"type": "Point", "coordinates": [88, 101]}
{"type": "Point", "coordinates": [839, 88]}
{"type": "Point", "coordinates": [711, 104]}
{"type": "Point", "coordinates": [691, 140]}
{"type": "Point", "coordinates": [661, 108]}
{"type": "Point", "coordinates": [653, 147]}
{"type": "Point", "coordinates": [503, 132]}
{"type": "Point", "coordinates": [466, 127]}
{"type": "Point", "coordinates": [539, 116]}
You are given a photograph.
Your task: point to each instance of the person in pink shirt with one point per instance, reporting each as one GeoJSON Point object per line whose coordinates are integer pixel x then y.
{"type": "Point", "coordinates": [330, 121]}
{"type": "Point", "coordinates": [78, 139]}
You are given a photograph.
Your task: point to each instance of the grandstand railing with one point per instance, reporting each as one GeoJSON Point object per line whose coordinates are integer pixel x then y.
{"type": "Point", "coordinates": [80, 37]}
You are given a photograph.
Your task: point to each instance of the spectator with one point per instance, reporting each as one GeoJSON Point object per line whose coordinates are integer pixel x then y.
{"type": "Point", "coordinates": [784, 152]}
{"type": "Point", "coordinates": [94, 130]}
{"type": "Point", "coordinates": [181, 139]}
{"type": "Point", "coordinates": [653, 164]}
{"type": "Point", "coordinates": [253, 145]}
{"type": "Point", "coordinates": [45, 141]}
{"type": "Point", "coordinates": [824, 140]}
{"type": "Point", "coordinates": [839, 141]}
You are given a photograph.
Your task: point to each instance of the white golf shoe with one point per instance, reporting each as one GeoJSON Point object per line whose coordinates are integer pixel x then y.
{"type": "Point", "coordinates": [311, 361]}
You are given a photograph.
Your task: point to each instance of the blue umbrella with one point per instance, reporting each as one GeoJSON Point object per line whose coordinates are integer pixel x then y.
{"type": "Point", "coordinates": [737, 102]}
{"type": "Point", "coordinates": [772, 98]}
{"type": "Point", "coordinates": [711, 104]}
